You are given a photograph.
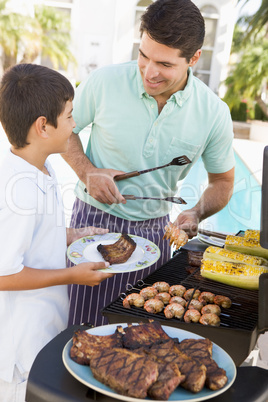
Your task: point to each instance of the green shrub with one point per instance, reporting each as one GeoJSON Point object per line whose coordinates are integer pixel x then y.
{"type": "Point", "coordinates": [239, 113]}
{"type": "Point", "coordinates": [259, 114]}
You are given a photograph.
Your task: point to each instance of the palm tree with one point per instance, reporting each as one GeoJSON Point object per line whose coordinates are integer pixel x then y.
{"type": "Point", "coordinates": [249, 75]}
{"type": "Point", "coordinates": [47, 33]}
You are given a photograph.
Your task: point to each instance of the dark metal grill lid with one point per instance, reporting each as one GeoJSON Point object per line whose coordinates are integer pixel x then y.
{"type": "Point", "coordinates": [242, 315]}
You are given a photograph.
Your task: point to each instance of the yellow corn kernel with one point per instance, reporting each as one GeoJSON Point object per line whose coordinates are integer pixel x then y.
{"type": "Point", "coordinates": [220, 254]}
{"type": "Point", "coordinates": [233, 274]}
{"type": "Point", "coordinates": [245, 246]}
{"type": "Point", "coordinates": [252, 234]}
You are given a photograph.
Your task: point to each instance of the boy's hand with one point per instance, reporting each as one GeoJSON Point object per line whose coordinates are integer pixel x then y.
{"type": "Point", "coordinates": [75, 234]}
{"type": "Point", "coordinates": [87, 273]}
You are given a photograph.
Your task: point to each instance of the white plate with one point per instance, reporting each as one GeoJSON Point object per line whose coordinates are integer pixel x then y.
{"type": "Point", "coordinates": [85, 376]}
{"type": "Point", "coordinates": [212, 241]}
{"type": "Point", "coordinates": [85, 250]}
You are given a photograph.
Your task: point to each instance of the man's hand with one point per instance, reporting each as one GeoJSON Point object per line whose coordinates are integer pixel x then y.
{"type": "Point", "coordinates": [100, 185]}
{"type": "Point", "coordinates": [75, 234]}
{"type": "Point", "coordinates": [188, 221]}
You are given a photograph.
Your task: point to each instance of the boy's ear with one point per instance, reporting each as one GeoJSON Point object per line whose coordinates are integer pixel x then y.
{"type": "Point", "coordinates": [195, 58]}
{"type": "Point", "coordinates": [40, 126]}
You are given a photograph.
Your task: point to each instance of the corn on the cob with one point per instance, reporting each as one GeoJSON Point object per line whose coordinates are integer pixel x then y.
{"type": "Point", "coordinates": [245, 246]}
{"type": "Point", "coordinates": [252, 234]}
{"type": "Point", "coordinates": [234, 274]}
{"type": "Point", "coordinates": [221, 254]}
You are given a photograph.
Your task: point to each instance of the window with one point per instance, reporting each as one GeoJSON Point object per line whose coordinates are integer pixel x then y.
{"type": "Point", "coordinates": [140, 8]}
{"type": "Point", "coordinates": [202, 69]}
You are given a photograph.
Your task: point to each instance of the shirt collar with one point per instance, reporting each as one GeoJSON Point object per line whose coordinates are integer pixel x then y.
{"type": "Point", "coordinates": [42, 181]}
{"type": "Point", "coordinates": [180, 97]}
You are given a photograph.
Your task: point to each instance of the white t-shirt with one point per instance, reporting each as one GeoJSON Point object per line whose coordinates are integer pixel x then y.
{"type": "Point", "coordinates": [32, 234]}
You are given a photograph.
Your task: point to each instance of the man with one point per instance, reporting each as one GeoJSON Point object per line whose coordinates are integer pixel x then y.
{"type": "Point", "coordinates": [144, 114]}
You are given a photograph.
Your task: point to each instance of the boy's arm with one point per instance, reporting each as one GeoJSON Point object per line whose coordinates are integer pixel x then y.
{"type": "Point", "coordinates": [30, 278]}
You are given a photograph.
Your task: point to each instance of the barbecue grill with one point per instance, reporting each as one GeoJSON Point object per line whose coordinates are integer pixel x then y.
{"type": "Point", "coordinates": [240, 325]}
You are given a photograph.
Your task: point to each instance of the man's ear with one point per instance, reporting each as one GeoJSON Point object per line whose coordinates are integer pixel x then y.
{"type": "Point", "coordinates": [40, 126]}
{"type": "Point", "coordinates": [195, 58]}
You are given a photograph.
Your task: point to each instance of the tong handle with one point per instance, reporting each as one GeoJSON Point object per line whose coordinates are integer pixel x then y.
{"type": "Point", "coordinates": [126, 175]}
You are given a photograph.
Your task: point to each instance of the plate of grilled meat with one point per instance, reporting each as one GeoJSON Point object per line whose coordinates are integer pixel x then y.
{"type": "Point", "coordinates": [148, 361]}
{"type": "Point", "coordinates": [125, 253]}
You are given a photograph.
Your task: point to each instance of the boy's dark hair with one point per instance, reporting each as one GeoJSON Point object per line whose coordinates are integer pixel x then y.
{"type": "Point", "coordinates": [175, 23]}
{"type": "Point", "coordinates": [27, 92]}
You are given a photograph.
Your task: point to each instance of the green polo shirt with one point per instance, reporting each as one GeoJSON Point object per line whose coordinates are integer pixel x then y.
{"type": "Point", "coordinates": [128, 134]}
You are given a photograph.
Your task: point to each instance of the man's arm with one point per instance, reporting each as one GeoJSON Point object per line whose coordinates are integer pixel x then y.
{"type": "Point", "coordinates": [99, 182]}
{"type": "Point", "coordinates": [215, 197]}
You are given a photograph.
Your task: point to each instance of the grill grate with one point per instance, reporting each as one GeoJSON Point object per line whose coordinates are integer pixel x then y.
{"type": "Point", "coordinates": [242, 315]}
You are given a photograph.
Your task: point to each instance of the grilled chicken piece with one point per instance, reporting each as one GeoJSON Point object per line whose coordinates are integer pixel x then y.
{"type": "Point", "coordinates": [143, 335]}
{"type": "Point", "coordinates": [195, 372]}
{"type": "Point", "coordinates": [120, 251]}
{"type": "Point", "coordinates": [124, 371]}
{"type": "Point", "coordinates": [201, 351]}
{"type": "Point", "coordinates": [85, 345]}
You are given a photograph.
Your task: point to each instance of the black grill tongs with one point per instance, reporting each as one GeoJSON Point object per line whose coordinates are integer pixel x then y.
{"type": "Point", "coordinates": [176, 200]}
{"type": "Point", "coordinates": [179, 161]}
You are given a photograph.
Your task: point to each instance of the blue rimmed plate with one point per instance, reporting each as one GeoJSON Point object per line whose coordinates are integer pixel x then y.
{"type": "Point", "coordinates": [85, 250]}
{"type": "Point", "coordinates": [85, 376]}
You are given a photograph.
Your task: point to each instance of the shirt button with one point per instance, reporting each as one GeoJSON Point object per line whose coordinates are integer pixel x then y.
{"type": "Point", "coordinates": [152, 105]}
{"type": "Point", "coordinates": [151, 140]}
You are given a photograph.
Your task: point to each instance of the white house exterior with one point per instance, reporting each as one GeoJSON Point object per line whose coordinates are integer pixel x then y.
{"type": "Point", "coordinates": [107, 31]}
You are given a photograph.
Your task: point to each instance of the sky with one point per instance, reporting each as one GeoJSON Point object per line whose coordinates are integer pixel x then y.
{"type": "Point", "coordinates": [249, 8]}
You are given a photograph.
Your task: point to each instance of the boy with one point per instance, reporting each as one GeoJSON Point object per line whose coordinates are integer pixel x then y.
{"type": "Point", "coordinates": [36, 114]}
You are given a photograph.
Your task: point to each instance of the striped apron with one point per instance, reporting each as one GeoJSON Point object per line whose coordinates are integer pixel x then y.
{"type": "Point", "coordinates": [87, 302]}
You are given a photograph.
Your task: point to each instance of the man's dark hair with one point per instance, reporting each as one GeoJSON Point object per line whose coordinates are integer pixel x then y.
{"type": "Point", "coordinates": [175, 23]}
{"type": "Point", "coordinates": [28, 91]}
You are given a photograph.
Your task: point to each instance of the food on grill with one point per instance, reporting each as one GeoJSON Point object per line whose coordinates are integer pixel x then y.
{"type": "Point", "coordinates": [177, 237]}
{"type": "Point", "coordinates": [245, 246]}
{"type": "Point", "coordinates": [124, 371]}
{"type": "Point", "coordinates": [221, 254]}
{"type": "Point", "coordinates": [174, 310]}
{"type": "Point", "coordinates": [211, 308]}
{"type": "Point", "coordinates": [201, 351]}
{"type": "Point", "coordinates": [179, 300]}
{"type": "Point", "coordinates": [161, 286]}
{"type": "Point", "coordinates": [195, 372]}
{"type": "Point", "coordinates": [234, 274]}
{"type": "Point", "coordinates": [177, 290]}
{"type": "Point", "coordinates": [195, 258]}
{"type": "Point", "coordinates": [191, 293]}
{"type": "Point", "coordinates": [164, 297]}
{"type": "Point", "coordinates": [85, 345]}
{"type": "Point", "coordinates": [133, 299]}
{"type": "Point", "coordinates": [222, 301]}
{"type": "Point", "coordinates": [195, 304]}
{"type": "Point", "coordinates": [210, 319]}
{"type": "Point", "coordinates": [192, 315]}
{"type": "Point", "coordinates": [252, 234]}
{"type": "Point", "coordinates": [153, 306]}
{"type": "Point", "coordinates": [120, 251]}
{"type": "Point", "coordinates": [149, 292]}
{"type": "Point", "coordinates": [206, 297]}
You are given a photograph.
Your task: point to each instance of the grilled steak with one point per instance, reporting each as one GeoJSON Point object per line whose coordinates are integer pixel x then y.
{"type": "Point", "coordinates": [143, 335]}
{"type": "Point", "coordinates": [124, 371]}
{"type": "Point", "coordinates": [168, 380]}
{"type": "Point", "coordinates": [120, 251]}
{"type": "Point", "coordinates": [201, 351]}
{"type": "Point", "coordinates": [195, 372]}
{"type": "Point", "coordinates": [85, 345]}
